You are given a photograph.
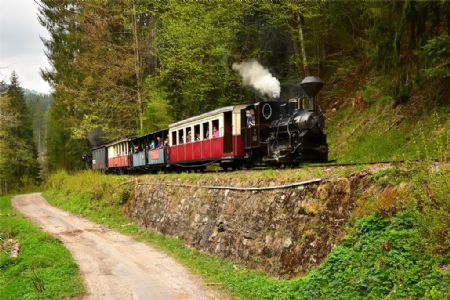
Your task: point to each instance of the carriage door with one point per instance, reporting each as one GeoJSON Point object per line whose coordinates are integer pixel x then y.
{"type": "Point", "coordinates": [227, 132]}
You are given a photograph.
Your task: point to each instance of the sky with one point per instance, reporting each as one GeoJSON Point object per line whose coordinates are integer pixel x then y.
{"type": "Point", "coordinates": [21, 48]}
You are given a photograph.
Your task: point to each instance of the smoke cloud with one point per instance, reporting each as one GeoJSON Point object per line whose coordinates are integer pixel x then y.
{"type": "Point", "coordinates": [96, 137]}
{"type": "Point", "coordinates": [255, 75]}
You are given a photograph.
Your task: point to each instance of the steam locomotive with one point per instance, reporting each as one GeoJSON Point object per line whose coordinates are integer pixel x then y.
{"type": "Point", "coordinates": [268, 132]}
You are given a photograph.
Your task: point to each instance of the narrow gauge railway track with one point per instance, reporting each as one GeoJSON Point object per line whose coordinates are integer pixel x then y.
{"type": "Point", "coordinates": [256, 168]}
{"type": "Point", "coordinates": [290, 185]}
{"type": "Point", "coordinates": [335, 164]}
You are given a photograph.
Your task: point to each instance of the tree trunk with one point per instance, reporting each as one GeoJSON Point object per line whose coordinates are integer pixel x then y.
{"type": "Point", "coordinates": [302, 45]}
{"type": "Point", "coordinates": [137, 67]}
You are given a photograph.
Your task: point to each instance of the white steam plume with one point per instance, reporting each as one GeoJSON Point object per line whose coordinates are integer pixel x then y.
{"type": "Point", "coordinates": [255, 75]}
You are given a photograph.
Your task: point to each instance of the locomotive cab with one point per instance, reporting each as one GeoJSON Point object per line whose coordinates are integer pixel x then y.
{"type": "Point", "coordinates": [256, 120]}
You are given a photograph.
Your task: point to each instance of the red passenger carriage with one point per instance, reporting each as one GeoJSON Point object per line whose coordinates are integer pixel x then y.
{"type": "Point", "coordinates": [119, 157]}
{"type": "Point", "coordinates": [211, 137]}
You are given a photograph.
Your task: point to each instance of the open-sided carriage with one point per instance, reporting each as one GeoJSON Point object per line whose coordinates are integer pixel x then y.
{"type": "Point", "coordinates": [149, 152]}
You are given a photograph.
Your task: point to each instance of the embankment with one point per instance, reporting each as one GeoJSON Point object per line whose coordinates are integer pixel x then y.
{"type": "Point", "coordinates": [284, 232]}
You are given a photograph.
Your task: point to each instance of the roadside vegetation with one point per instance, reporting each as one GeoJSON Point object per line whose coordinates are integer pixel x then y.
{"type": "Point", "coordinates": [396, 246]}
{"type": "Point", "coordinates": [43, 269]}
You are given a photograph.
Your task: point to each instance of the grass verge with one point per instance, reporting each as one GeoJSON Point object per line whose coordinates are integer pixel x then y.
{"type": "Point", "coordinates": [44, 268]}
{"type": "Point", "coordinates": [382, 256]}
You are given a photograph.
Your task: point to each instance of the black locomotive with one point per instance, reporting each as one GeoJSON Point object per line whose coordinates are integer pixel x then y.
{"type": "Point", "coordinates": [286, 132]}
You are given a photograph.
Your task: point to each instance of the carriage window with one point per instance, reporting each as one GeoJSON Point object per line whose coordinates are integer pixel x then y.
{"type": "Point", "coordinates": [174, 138]}
{"type": "Point", "coordinates": [206, 130]}
{"type": "Point", "coordinates": [197, 133]}
{"type": "Point", "coordinates": [180, 136]}
{"type": "Point", "coordinates": [188, 134]}
{"type": "Point", "coordinates": [215, 128]}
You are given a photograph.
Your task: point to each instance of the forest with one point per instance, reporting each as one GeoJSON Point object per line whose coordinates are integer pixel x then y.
{"type": "Point", "coordinates": [127, 67]}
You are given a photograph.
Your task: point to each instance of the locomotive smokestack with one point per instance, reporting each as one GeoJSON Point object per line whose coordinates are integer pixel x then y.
{"type": "Point", "coordinates": [312, 85]}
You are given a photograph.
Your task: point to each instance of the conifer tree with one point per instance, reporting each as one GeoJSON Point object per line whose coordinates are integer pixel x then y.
{"type": "Point", "coordinates": [18, 156]}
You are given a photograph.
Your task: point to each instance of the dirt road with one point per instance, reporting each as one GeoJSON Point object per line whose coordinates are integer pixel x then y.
{"type": "Point", "coordinates": [113, 266]}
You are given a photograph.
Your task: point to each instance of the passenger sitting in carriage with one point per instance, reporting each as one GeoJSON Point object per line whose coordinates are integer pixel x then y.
{"type": "Point", "coordinates": [188, 137]}
{"type": "Point", "coordinates": [215, 132]}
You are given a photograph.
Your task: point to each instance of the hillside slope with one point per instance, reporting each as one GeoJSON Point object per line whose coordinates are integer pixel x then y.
{"type": "Point", "coordinates": [368, 121]}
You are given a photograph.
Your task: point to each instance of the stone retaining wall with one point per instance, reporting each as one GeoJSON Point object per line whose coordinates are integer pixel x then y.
{"type": "Point", "coordinates": [284, 232]}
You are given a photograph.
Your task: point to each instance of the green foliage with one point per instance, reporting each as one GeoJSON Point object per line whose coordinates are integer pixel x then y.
{"type": "Point", "coordinates": [38, 105]}
{"type": "Point", "coordinates": [436, 55]}
{"type": "Point", "coordinates": [196, 49]}
{"type": "Point", "coordinates": [44, 268]}
{"type": "Point", "coordinates": [157, 114]}
{"type": "Point", "coordinates": [378, 91]}
{"type": "Point", "coordinates": [408, 41]}
{"type": "Point", "coordinates": [19, 167]}
{"type": "Point", "coordinates": [63, 150]}
{"type": "Point", "coordinates": [387, 176]}
{"type": "Point", "coordinates": [380, 258]}
{"type": "Point", "coordinates": [98, 63]}
{"type": "Point", "coordinates": [107, 192]}
{"type": "Point", "coordinates": [431, 194]}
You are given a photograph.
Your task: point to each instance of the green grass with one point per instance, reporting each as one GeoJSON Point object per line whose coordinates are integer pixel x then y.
{"type": "Point", "coordinates": [380, 257]}
{"type": "Point", "coordinates": [44, 268]}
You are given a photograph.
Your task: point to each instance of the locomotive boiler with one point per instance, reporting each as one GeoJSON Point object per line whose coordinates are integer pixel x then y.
{"type": "Point", "coordinates": [286, 132]}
